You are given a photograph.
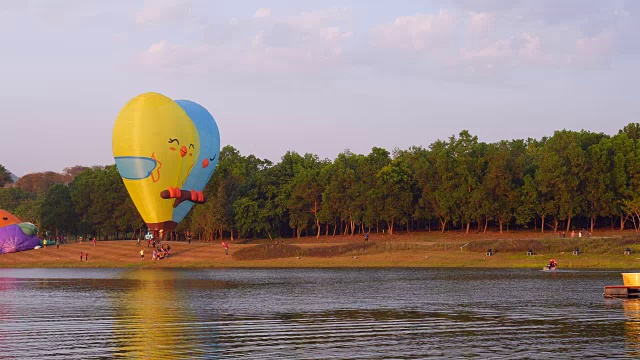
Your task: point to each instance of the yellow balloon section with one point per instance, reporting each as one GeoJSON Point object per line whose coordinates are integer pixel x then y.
{"type": "Point", "coordinates": [155, 145]}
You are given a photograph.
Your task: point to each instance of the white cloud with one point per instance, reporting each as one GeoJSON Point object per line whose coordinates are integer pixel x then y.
{"type": "Point", "coordinates": [163, 11]}
{"type": "Point", "coordinates": [318, 18]}
{"type": "Point", "coordinates": [308, 41]}
{"type": "Point", "coordinates": [525, 48]}
{"type": "Point", "coordinates": [333, 34]}
{"type": "Point", "coordinates": [481, 23]}
{"type": "Point", "coordinates": [594, 51]}
{"type": "Point", "coordinates": [416, 32]}
{"type": "Point", "coordinates": [262, 12]}
{"type": "Point", "coordinates": [485, 43]}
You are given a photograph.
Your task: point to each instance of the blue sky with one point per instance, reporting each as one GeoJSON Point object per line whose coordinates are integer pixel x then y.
{"type": "Point", "coordinates": [313, 76]}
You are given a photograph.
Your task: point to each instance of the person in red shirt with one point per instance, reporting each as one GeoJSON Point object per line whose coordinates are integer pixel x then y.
{"type": "Point", "coordinates": [226, 248]}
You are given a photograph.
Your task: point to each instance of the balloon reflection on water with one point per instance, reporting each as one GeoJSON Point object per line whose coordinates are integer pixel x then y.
{"type": "Point", "coordinates": [151, 317]}
{"type": "Point", "coordinates": [632, 325]}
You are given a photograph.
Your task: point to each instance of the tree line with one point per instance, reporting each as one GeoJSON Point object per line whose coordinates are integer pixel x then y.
{"type": "Point", "coordinates": [562, 182]}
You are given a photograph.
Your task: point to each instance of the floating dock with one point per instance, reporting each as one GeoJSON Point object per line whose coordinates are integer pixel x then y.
{"type": "Point", "coordinates": [630, 289]}
{"type": "Point", "coordinates": [622, 291]}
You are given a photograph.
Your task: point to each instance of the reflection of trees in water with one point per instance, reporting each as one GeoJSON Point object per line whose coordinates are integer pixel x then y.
{"type": "Point", "coordinates": [6, 310]}
{"type": "Point", "coordinates": [632, 326]}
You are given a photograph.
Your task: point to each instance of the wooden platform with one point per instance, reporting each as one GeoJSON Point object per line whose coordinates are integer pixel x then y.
{"type": "Point", "coordinates": [622, 291]}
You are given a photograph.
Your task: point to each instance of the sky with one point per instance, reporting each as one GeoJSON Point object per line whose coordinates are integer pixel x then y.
{"type": "Point", "coordinates": [313, 76]}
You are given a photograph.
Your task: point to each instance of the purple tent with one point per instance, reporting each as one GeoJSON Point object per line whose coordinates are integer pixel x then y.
{"type": "Point", "coordinates": [13, 238]}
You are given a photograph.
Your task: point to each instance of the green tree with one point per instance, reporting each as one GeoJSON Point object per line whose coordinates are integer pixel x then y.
{"type": "Point", "coordinates": [562, 161]}
{"type": "Point", "coordinates": [394, 190]}
{"type": "Point", "coordinates": [5, 176]}
{"type": "Point", "coordinates": [598, 184]}
{"type": "Point", "coordinates": [58, 213]}
{"type": "Point", "coordinates": [11, 198]}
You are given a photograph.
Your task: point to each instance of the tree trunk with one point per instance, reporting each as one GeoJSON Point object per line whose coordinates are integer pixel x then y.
{"type": "Point", "coordinates": [500, 220]}
{"type": "Point", "coordinates": [593, 222]}
{"type": "Point", "coordinates": [542, 225]}
{"type": "Point", "coordinates": [318, 226]}
{"type": "Point", "coordinates": [334, 228]}
{"type": "Point", "coordinates": [391, 225]}
{"type": "Point", "coordinates": [468, 226]}
{"type": "Point", "coordinates": [443, 223]}
{"type": "Point", "coordinates": [569, 223]}
{"type": "Point", "coordinates": [486, 223]}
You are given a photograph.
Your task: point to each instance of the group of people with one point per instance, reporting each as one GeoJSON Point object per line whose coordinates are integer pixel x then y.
{"type": "Point", "coordinates": [161, 252]}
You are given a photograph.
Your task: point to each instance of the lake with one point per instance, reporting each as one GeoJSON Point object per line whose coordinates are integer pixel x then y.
{"type": "Point", "coordinates": [314, 314]}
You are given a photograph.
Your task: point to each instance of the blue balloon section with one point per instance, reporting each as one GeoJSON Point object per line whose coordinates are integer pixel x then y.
{"type": "Point", "coordinates": [18, 237]}
{"type": "Point", "coordinates": [209, 153]}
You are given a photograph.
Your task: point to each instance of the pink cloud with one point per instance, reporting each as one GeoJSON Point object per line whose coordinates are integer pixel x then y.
{"type": "Point", "coordinates": [416, 32]}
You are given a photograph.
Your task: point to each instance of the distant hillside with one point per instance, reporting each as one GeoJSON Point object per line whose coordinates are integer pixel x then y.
{"type": "Point", "coordinates": [13, 177]}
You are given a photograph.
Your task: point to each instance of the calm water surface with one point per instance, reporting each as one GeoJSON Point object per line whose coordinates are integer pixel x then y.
{"type": "Point", "coordinates": [314, 314]}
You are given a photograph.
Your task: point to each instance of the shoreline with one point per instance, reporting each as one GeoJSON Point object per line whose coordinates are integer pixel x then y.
{"type": "Point", "coordinates": [417, 250]}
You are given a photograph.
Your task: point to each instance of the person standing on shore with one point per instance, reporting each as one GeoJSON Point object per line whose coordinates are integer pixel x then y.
{"type": "Point", "coordinates": [226, 248]}
{"type": "Point", "coordinates": [80, 255]}
{"type": "Point", "coordinates": [142, 254]}
{"type": "Point", "coordinates": [86, 256]}
{"type": "Point", "coordinates": [94, 241]}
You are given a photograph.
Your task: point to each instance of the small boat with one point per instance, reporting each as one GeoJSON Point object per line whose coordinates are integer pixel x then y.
{"type": "Point", "coordinates": [553, 265]}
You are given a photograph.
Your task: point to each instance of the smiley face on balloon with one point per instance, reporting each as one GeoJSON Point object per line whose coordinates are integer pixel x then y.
{"type": "Point", "coordinates": [160, 147]}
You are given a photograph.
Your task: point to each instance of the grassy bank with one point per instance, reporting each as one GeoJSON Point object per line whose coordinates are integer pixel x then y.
{"type": "Point", "coordinates": [407, 250]}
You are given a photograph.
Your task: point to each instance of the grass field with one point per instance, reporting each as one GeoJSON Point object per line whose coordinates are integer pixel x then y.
{"type": "Point", "coordinates": [422, 249]}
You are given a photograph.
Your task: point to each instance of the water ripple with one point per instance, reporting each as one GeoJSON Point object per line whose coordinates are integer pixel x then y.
{"type": "Point", "coordinates": [313, 314]}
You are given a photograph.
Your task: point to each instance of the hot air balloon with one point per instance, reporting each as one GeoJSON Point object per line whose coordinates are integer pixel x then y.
{"type": "Point", "coordinates": [16, 235]}
{"type": "Point", "coordinates": [209, 154]}
{"type": "Point", "coordinates": [7, 218]}
{"type": "Point", "coordinates": [155, 145]}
